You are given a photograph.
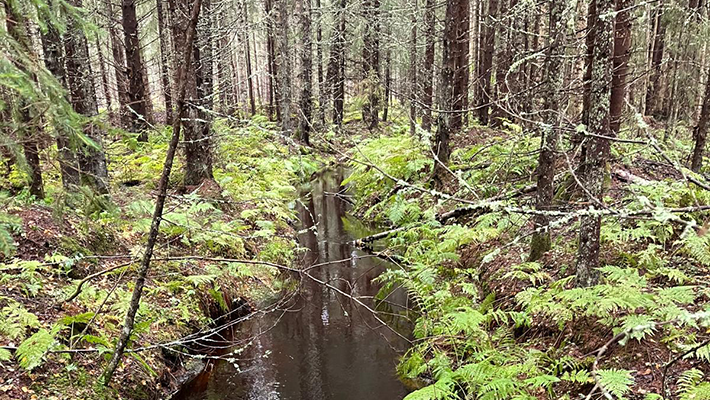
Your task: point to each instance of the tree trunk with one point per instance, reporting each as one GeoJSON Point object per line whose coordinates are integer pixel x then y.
{"type": "Point", "coordinates": [164, 61]}
{"type": "Point", "coordinates": [701, 130]}
{"type": "Point", "coordinates": [428, 66]}
{"type": "Point", "coordinates": [92, 160]}
{"type": "Point", "coordinates": [250, 82]}
{"type": "Point", "coordinates": [598, 149]}
{"type": "Point", "coordinates": [225, 74]}
{"type": "Point", "coordinates": [134, 71]}
{"type": "Point", "coordinates": [653, 92]}
{"type": "Point", "coordinates": [336, 64]}
{"type": "Point", "coordinates": [622, 54]}
{"type": "Point", "coordinates": [552, 113]}
{"type": "Point", "coordinates": [119, 64]}
{"type": "Point", "coordinates": [322, 91]}
{"type": "Point", "coordinates": [487, 50]}
{"type": "Point", "coordinates": [159, 205]}
{"type": "Point", "coordinates": [31, 152]}
{"type": "Point", "coordinates": [104, 78]}
{"type": "Point", "coordinates": [503, 63]}
{"type": "Point", "coordinates": [198, 147]}
{"type": "Point", "coordinates": [306, 100]}
{"type": "Point", "coordinates": [54, 60]}
{"type": "Point", "coordinates": [371, 63]}
{"type": "Point", "coordinates": [413, 86]}
{"type": "Point", "coordinates": [447, 91]}
{"type": "Point", "coordinates": [283, 65]}
{"type": "Point", "coordinates": [388, 84]}
{"type": "Point", "coordinates": [271, 63]}
{"type": "Point", "coordinates": [461, 64]}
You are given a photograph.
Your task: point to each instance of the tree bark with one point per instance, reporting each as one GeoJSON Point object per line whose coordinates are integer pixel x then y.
{"type": "Point", "coordinates": [554, 62]}
{"type": "Point", "coordinates": [336, 64]}
{"type": "Point", "coordinates": [461, 66]}
{"type": "Point", "coordinates": [92, 160]}
{"type": "Point", "coordinates": [371, 63]}
{"type": "Point", "coordinates": [447, 91]}
{"type": "Point", "coordinates": [504, 60]}
{"type": "Point", "coordinates": [306, 100]}
{"type": "Point", "coordinates": [428, 65]}
{"type": "Point", "coordinates": [250, 82]}
{"type": "Point", "coordinates": [164, 61]}
{"type": "Point", "coordinates": [54, 61]}
{"type": "Point", "coordinates": [598, 149]}
{"type": "Point", "coordinates": [653, 91]}
{"type": "Point", "coordinates": [198, 143]}
{"type": "Point", "coordinates": [622, 54]}
{"type": "Point", "coordinates": [487, 50]}
{"type": "Point", "coordinates": [119, 64]}
{"type": "Point", "coordinates": [271, 62]}
{"type": "Point", "coordinates": [322, 91]}
{"type": "Point", "coordinates": [104, 78]}
{"type": "Point", "coordinates": [701, 130]}
{"type": "Point", "coordinates": [413, 86]}
{"type": "Point", "coordinates": [283, 65]}
{"type": "Point", "coordinates": [159, 205]}
{"type": "Point", "coordinates": [134, 72]}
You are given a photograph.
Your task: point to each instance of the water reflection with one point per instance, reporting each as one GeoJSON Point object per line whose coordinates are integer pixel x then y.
{"type": "Point", "coordinates": [322, 346]}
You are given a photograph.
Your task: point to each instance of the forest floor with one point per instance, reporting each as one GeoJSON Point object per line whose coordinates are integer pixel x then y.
{"type": "Point", "coordinates": [246, 213]}
{"type": "Point", "coordinates": [493, 323]}
{"type": "Point", "coordinates": [478, 300]}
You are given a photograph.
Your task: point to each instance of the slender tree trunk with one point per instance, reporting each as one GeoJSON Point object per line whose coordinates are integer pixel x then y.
{"type": "Point", "coordinates": [271, 53]}
{"type": "Point", "coordinates": [622, 54]}
{"type": "Point", "coordinates": [322, 91]}
{"type": "Point", "coordinates": [413, 86]}
{"type": "Point", "coordinates": [198, 143]}
{"type": "Point", "coordinates": [54, 60]}
{"type": "Point", "coordinates": [428, 66]}
{"type": "Point", "coordinates": [503, 63]}
{"type": "Point", "coordinates": [92, 161]}
{"type": "Point", "coordinates": [462, 69]}
{"type": "Point", "coordinates": [653, 92]}
{"type": "Point", "coordinates": [164, 61]}
{"type": "Point", "coordinates": [552, 111]}
{"type": "Point", "coordinates": [135, 70]}
{"type": "Point", "coordinates": [256, 64]}
{"type": "Point", "coordinates": [306, 100]}
{"type": "Point", "coordinates": [104, 77]}
{"type": "Point", "coordinates": [225, 74]}
{"type": "Point", "coordinates": [371, 63]}
{"type": "Point", "coordinates": [250, 82]}
{"type": "Point", "coordinates": [487, 50]}
{"type": "Point", "coordinates": [447, 91]}
{"type": "Point", "coordinates": [590, 41]}
{"type": "Point", "coordinates": [701, 130]}
{"type": "Point", "coordinates": [336, 64]}
{"type": "Point", "coordinates": [598, 149]}
{"type": "Point", "coordinates": [119, 63]}
{"type": "Point", "coordinates": [31, 152]}
{"type": "Point", "coordinates": [159, 205]}
{"type": "Point", "coordinates": [283, 65]}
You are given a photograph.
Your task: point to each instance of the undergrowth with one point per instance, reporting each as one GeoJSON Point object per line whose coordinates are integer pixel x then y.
{"type": "Point", "coordinates": [491, 325]}
{"type": "Point", "coordinates": [246, 213]}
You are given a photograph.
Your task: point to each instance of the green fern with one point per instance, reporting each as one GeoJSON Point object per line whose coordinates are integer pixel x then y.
{"type": "Point", "coordinates": [691, 386]}
{"type": "Point", "coordinates": [31, 352]}
{"type": "Point", "coordinates": [618, 382]}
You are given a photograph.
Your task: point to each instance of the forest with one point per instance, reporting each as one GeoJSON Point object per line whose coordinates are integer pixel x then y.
{"type": "Point", "coordinates": [354, 199]}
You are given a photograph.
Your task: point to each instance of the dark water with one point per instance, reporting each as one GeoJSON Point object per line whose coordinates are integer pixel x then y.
{"type": "Point", "coordinates": [320, 344]}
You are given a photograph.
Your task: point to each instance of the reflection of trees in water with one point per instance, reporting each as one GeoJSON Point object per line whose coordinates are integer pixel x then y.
{"type": "Point", "coordinates": [324, 347]}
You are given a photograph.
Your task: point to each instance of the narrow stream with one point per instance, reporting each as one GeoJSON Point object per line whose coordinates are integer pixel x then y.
{"type": "Point", "coordinates": [321, 345]}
